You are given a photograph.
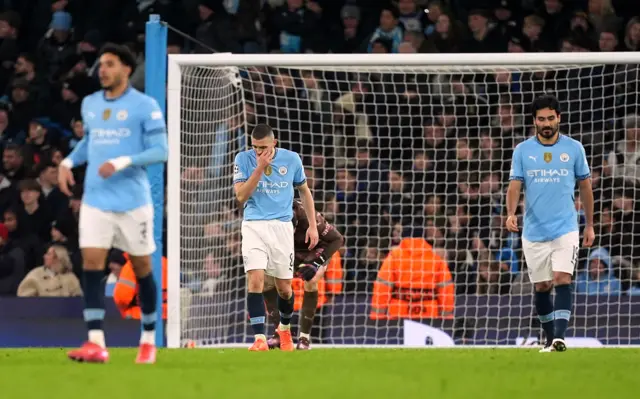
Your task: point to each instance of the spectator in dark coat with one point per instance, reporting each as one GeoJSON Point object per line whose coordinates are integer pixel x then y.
{"type": "Point", "coordinates": [12, 268]}
{"type": "Point", "coordinates": [217, 30]}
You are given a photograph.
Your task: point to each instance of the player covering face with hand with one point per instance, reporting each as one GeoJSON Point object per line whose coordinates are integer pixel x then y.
{"type": "Point", "coordinates": [264, 179]}
{"type": "Point", "coordinates": [548, 166]}
{"type": "Point", "coordinates": [125, 131]}
{"type": "Point", "coordinates": [309, 265]}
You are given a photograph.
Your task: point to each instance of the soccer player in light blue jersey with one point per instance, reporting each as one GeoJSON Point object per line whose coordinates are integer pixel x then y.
{"type": "Point", "coordinates": [548, 166]}
{"type": "Point", "coordinates": [124, 132]}
{"type": "Point", "coordinates": [264, 179]}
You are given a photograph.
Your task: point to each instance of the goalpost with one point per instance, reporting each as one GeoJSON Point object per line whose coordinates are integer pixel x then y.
{"type": "Point", "coordinates": [396, 145]}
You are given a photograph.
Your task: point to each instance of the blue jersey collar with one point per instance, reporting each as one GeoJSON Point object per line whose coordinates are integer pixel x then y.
{"type": "Point", "coordinates": [549, 145]}
{"type": "Point", "coordinates": [124, 93]}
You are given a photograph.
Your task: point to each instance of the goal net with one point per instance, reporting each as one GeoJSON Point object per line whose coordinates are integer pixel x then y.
{"type": "Point", "coordinates": [410, 154]}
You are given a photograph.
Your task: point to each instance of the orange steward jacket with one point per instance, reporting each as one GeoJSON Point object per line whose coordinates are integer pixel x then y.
{"type": "Point", "coordinates": [413, 283]}
{"type": "Point", "coordinates": [125, 293]}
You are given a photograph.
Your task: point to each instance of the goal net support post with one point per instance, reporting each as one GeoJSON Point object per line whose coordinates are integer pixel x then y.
{"type": "Point", "coordinates": [395, 146]}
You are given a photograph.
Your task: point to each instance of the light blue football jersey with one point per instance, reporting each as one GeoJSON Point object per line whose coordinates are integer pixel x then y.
{"type": "Point", "coordinates": [273, 197]}
{"type": "Point", "coordinates": [131, 125]}
{"type": "Point", "coordinates": [549, 174]}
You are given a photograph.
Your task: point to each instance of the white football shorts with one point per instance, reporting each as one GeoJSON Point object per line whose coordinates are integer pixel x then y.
{"type": "Point", "coordinates": [544, 258]}
{"type": "Point", "coordinates": [268, 245]}
{"type": "Point", "coordinates": [130, 231]}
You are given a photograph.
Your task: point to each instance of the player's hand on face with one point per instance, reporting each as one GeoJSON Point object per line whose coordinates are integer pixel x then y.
{"type": "Point", "coordinates": [312, 236]}
{"type": "Point", "coordinates": [512, 224]}
{"type": "Point", "coordinates": [107, 170]}
{"type": "Point", "coordinates": [65, 180]}
{"type": "Point", "coordinates": [589, 237]}
{"type": "Point", "coordinates": [264, 159]}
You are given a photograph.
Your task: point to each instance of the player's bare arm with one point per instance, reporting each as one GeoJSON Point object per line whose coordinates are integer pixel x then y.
{"type": "Point", "coordinates": [513, 197]}
{"type": "Point", "coordinates": [244, 190]}
{"type": "Point", "coordinates": [77, 157]}
{"type": "Point", "coordinates": [586, 196]}
{"type": "Point", "coordinates": [315, 262]}
{"type": "Point", "coordinates": [334, 242]}
{"type": "Point", "coordinates": [310, 209]}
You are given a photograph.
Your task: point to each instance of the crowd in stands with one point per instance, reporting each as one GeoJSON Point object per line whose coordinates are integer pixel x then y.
{"type": "Point", "coordinates": [387, 155]}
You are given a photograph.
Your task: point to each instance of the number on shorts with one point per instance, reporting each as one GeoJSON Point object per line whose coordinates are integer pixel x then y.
{"type": "Point", "coordinates": [143, 232]}
{"type": "Point", "coordinates": [291, 262]}
{"type": "Point", "coordinates": [574, 259]}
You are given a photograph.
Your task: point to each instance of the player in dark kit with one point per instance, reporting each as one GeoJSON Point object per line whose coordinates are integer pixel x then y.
{"type": "Point", "coordinates": [309, 265]}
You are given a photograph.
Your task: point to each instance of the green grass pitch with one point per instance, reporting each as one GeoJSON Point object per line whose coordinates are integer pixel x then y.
{"type": "Point", "coordinates": [325, 373]}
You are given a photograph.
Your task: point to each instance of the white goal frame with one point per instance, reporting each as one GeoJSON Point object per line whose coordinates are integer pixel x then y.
{"type": "Point", "coordinates": [436, 62]}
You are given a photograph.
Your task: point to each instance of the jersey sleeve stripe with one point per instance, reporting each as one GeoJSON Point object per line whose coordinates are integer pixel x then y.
{"type": "Point", "coordinates": [239, 181]}
{"type": "Point", "coordinates": [516, 178]}
{"type": "Point", "coordinates": [583, 177]}
{"type": "Point", "coordinates": [299, 184]}
{"type": "Point", "coordinates": [155, 131]}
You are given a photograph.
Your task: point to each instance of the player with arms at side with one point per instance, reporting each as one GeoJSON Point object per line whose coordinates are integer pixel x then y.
{"type": "Point", "coordinates": [263, 180]}
{"type": "Point", "coordinates": [125, 131]}
{"type": "Point", "coordinates": [548, 165]}
{"type": "Point", "coordinates": [310, 266]}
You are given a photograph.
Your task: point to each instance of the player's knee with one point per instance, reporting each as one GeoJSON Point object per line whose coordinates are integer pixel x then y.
{"type": "Point", "coordinates": [284, 288]}
{"type": "Point", "coordinates": [561, 278]}
{"type": "Point", "coordinates": [310, 286]}
{"type": "Point", "coordinates": [94, 258]}
{"type": "Point", "coordinates": [141, 265]}
{"type": "Point", "coordinates": [255, 280]}
{"type": "Point", "coordinates": [269, 283]}
{"type": "Point", "coordinates": [544, 286]}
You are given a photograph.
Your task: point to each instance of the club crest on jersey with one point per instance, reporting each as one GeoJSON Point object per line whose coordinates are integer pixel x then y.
{"type": "Point", "coordinates": [268, 170]}
{"type": "Point", "coordinates": [282, 170]}
{"type": "Point", "coordinates": [122, 115]}
{"type": "Point", "coordinates": [547, 157]}
{"type": "Point", "coordinates": [564, 157]}
{"type": "Point", "coordinates": [106, 114]}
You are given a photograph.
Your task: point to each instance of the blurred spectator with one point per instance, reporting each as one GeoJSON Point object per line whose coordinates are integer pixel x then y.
{"type": "Point", "coordinates": [54, 199]}
{"type": "Point", "coordinates": [608, 40]}
{"type": "Point", "coordinates": [33, 216]}
{"type": "Point", "coordinates": [448, 35]}
{"type": "Point", "coordinates": [217, 29]}
{"type": "Point", "coordinates": [624, 160]}
{"type": "Point", "coordinates": [64, 232]}
{"type": "Point", "coordinates": [632, 35]}
{"type": "Point", "coordinates": [484, 38]}
{"type": "Point", "coordinates": [556, 15]}
{"type": "Point", "coordinates": [13, 164]}
{"type": "Point", "coordinates": [389, 34]}
{"type": "Point", "coordinates": [598, 278]}
{"type": "Point", "coordinates": [9, 50]}
{"type": "Point", "coordinates": [53, 279]}
{"type": "Point", "coordinates": [56, 47]}
{"type": "Point", "coordinates": [12, 266]}
{"type": "Point", "coordinates": [349, 36]}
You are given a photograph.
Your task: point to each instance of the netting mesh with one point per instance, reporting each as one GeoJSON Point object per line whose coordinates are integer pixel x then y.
{"type": "Point", "coordinates": [392, 152]}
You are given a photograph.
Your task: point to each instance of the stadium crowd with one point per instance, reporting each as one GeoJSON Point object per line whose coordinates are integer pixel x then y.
{"type": "Point", "coordinates": [387, 155]}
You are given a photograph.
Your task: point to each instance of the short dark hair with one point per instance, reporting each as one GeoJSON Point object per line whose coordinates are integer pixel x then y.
{"type": "Point", "coordinates": [545, 101]}
{"type": "Point", "coordinates": [261, 131]}
{"type": "Point", "coordinates": [29, 185]}
{"type": "Point", "coordinates": [14, 147]}
{"type": "Point", "coordinates": [122, 52]}
{"type": "Point", "coordinates": [43, 166]}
